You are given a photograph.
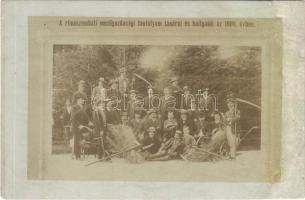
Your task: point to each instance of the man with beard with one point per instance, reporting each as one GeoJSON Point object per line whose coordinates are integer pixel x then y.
{"type": "Point", "coordinates": [80, 122]}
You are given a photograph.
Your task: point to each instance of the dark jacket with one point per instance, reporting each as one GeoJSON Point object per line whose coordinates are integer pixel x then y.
{"type": "Point", "coordinates": [79, 116]}
{"type": "Point", "coordinates": [156, 144]}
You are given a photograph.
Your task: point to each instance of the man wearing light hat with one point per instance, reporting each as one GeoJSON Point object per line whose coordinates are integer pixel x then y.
{"type": "Point", "coordinates": [186, 100]}
{"type": "Point", "coordinates": [123, 82]}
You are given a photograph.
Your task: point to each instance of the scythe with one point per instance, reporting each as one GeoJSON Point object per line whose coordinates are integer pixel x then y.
{"type": "Point", "coordinates": [249, 103]}
{"type": "Point", "coordinates": [143, 79]}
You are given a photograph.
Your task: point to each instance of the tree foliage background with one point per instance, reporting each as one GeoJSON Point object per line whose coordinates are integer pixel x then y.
{"type": "Point", "coordinates": [221, 69]}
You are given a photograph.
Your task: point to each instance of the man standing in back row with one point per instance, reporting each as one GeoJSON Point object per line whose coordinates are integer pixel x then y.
{"type": "Point", "coordinates": [80, 92]}
{"type": "Point", "coordinates": [80, 122]}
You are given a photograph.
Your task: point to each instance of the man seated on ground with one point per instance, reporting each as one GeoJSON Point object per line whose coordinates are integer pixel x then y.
{"type": "Point", "coordinates": [151, 143]}
{"type": "Point", "coordinates": [170, 149]}
{"type": "Point", "coordinates": [188, 139]}
{"type": "Point", "coordinates": [170, 125]}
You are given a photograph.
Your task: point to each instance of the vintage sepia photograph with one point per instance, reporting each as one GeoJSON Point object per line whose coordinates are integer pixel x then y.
{"type": "Point", "coordinates": [114, 102]}
{"type": "Point", "coordinates": [156, 100]}
{"type": "Point", "coordinates": [156, 104]}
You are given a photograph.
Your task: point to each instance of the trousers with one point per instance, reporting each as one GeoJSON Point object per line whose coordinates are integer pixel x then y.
{"type": "Point", "coordinates": [232, 140]}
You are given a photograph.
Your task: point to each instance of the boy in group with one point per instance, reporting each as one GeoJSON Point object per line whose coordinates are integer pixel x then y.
{"type": "Point", "coordinates": [170, 125]}
{"type": "Point", "coordinates": [171, 149]}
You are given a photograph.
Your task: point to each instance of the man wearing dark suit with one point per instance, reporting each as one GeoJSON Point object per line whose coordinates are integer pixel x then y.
{"type": "Point", "coordinates": [80, 120]}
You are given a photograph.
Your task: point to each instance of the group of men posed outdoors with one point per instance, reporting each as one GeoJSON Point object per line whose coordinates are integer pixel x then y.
{"type": "Point", "coordinates": [166, 125]}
